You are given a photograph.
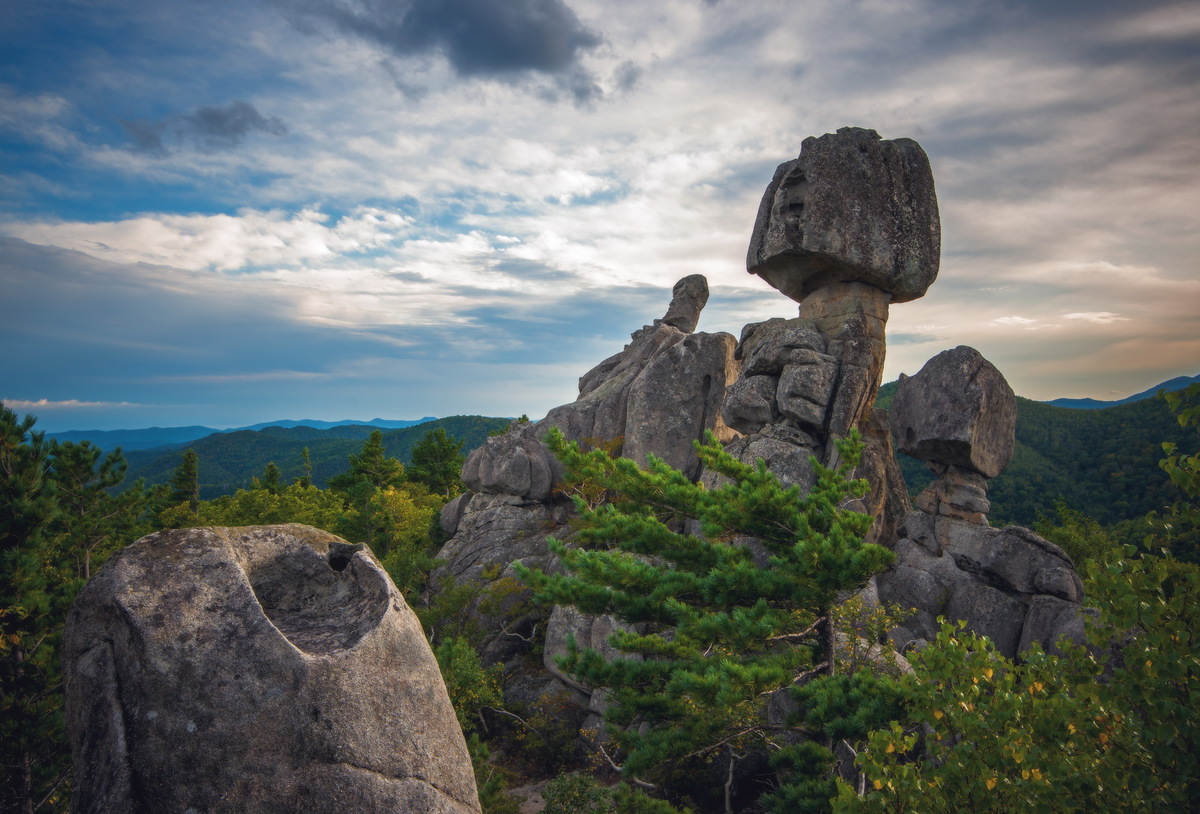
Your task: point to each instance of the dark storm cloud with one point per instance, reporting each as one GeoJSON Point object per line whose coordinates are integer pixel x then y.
{"type": "Point", "coordinates": [208, 128]}
{"type": "Point", "coordinates": [479, 38]}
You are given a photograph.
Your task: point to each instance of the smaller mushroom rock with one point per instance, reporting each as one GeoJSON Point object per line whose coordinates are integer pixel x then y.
{"type": "Point", "coordinates": [852, 208]}
{"type": "Point", "coordinates": [958, 410]}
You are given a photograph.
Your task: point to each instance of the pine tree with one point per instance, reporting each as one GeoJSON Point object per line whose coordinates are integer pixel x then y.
{"type": "Point", "coordinates": [710, 632]}
{"type": "Point", "coordinates": [305, 478]}
{"type": "Point", "coordinates": [31, 741]}
{"type": "Point", "coordinates": [1179, 523]}
{"type": "Point", "coordinates": [269, 481]}
{"type": "Point", "coordinates": [437, 462]}
{"type": "Point", "coordinates": [373, 478]}
{"type": "Point", "coordinates": [372, 466]}
{"type": "Point", "coordinates": [185, 483]}
{"type": "Point", "coordinates": [94, 521]}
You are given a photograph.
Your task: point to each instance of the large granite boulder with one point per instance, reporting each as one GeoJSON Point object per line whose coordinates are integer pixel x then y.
{"type": "Point", "coordinates": [852, 208]}
{"type": "Point", "coordinates": [271, 669]}
{"type": "Point", "coordinates": [515, 463]}
{"type": "Point", "coordinates": [959, 411]}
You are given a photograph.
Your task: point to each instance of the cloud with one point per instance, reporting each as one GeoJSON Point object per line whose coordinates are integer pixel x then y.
{"type": "Point", "coordinates": [209, 129]}
{"type": "Point", "coordinates": [234, 349]}
{"type": "Point", "coordinates": [903, 338]}
{"type": "Point", "coordinates": [466, 223]}
{"type": "Point", "coordinates": [478, 38]}
{"type": "Point", "coordinates": [44, 118]}
{"type": "Point", "coordinates": [1171, 22]}
{"type": "Point", "coordinates": [1098, 317]}
{"type": "Point", "coordinates": [69, 404]}
{"type": "Point", "coordinates": [249, 239]}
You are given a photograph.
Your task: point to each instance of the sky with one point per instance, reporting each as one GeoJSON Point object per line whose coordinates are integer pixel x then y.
{"type": "Point", "coordinates": [223, 212]}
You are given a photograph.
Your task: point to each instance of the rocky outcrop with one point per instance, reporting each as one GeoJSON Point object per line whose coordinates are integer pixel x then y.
{"type": "Point", "coordinates": [846, 229]}
{"type": "Point", "coordinates": [515, 463]}
{"type": "Point", "coordinates": [959, 415]}
{"type": "Point", "coordinates": [265, 669]}
{"type": "Point", "coordinates": [1007, 584]}
{"type": "Point", "coordinates": [663, 391]}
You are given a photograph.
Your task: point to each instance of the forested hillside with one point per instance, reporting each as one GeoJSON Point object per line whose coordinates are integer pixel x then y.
{"type": "Point", "coordinates": [229, 460]}
{"type": "Point", "coordinates": [1103, 463]}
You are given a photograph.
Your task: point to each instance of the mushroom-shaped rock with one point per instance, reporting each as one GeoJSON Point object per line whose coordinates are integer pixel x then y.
{"type": "Point", "coordinates": [957, 410]}
{"type": "Point", "coordinates": [852, 208]}
{"type": "Point", "coordinates": [272, 669]}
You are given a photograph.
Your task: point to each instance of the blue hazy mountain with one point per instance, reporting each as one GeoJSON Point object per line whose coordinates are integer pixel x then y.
{"type": "Point", "coordinates": [1178, 383]}
{"type": "Point", "coordinates": [154, 437]}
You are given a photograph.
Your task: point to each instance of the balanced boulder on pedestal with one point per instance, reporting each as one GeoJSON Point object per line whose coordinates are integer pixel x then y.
{"type": "Point", "coordinates": [959, 415]}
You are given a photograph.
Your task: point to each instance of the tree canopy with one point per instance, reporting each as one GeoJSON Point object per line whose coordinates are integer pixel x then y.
{"type": "Point", "coordinates": [59, 521]}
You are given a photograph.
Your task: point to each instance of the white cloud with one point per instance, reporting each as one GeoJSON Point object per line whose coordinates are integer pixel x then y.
{"type": "Point", "coordinates": [1098, 317]}
{"type": "Point", "coordinates": [1179, 21]}
{"type": "Point", "coordinates": [41, 118]}
{"type": "Point", "coordinates": [252, 238]}
{"type": "Point", "coordinates": [68, 404]}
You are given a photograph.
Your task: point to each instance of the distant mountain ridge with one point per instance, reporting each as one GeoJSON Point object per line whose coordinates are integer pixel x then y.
{"type": "Point", "coordinates": [155, 437]}
{"type": "Point", "coordinates": [228, 460]}
{"type": "Point", "coordinates": [1171, 385]}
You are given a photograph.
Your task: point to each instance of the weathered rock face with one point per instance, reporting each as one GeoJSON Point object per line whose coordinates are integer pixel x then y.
{"type": "Point", "coordinates": [266, 669]}
{"type": "Point", "coordinates": [661, 392]}
{"type": "Point", "coordinates": [786, 374]}
{"type": "Point", "coordinates": [959, 411]}
{"type": "Point", "coordinates": [1008, 584]}
{"type": "Point", "coordinates": [688, 298]}
{"type": "Point", "coordinates": [516, 463]}
{"type": "Point", "coordinates": [851, 208]}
